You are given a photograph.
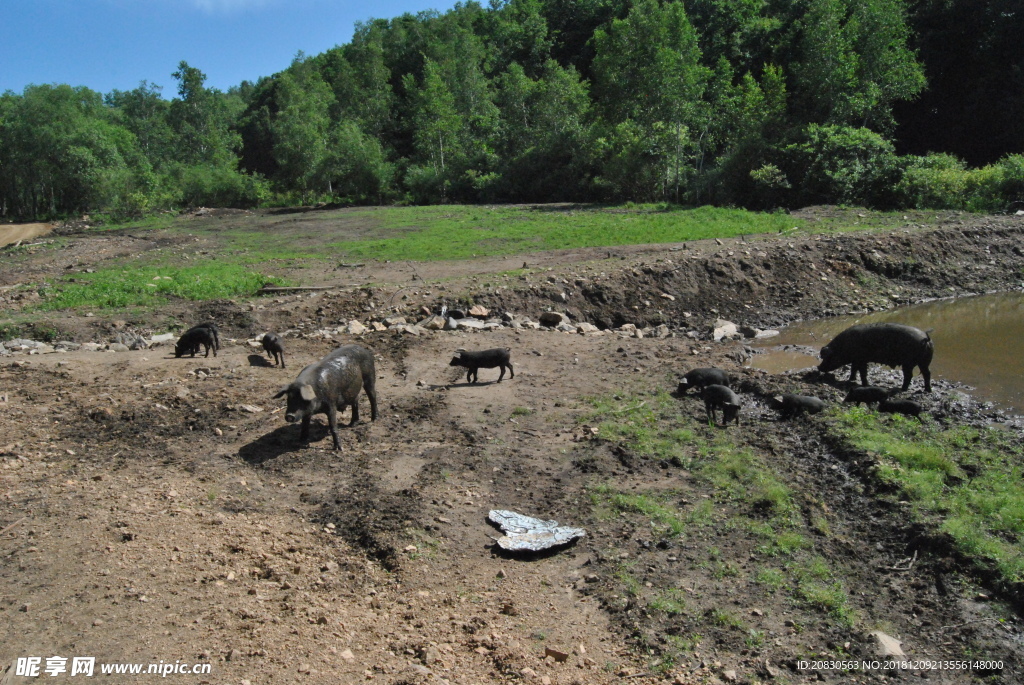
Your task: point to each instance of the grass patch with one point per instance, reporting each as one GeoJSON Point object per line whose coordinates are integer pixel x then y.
{"type": "Point", "coordinates": [464, 232]}
{"type": "Point", "coordinates": [929, 464]}
{"type": "Point", "coordinates": [646, 424]}
{"type": "Point", "coordinates": [671, 602]}
{"type": "Point", "coordinates": [742, 476]}
{"type": "Point", "coordinates": [654, 507]}
{"type": "Point", "coordinates": [134, 286]}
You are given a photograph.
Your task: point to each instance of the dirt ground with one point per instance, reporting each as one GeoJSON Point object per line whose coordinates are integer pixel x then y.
{"type": "Point", "coordinates": [155, 509]}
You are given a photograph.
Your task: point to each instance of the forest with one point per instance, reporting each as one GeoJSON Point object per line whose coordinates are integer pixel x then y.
{"type": "Point", "coordinates": [762, 104]}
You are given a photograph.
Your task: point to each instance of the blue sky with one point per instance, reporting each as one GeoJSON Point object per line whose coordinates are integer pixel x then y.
{"type": "Point", "coordinates": [108, 44]}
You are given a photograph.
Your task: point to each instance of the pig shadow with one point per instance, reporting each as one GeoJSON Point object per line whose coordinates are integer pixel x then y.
{"type": "Point", "coordinates": [260, 360]}
{"type": "Point", "coordinates": [467, 384]}
{"type": "Point", "coordinates": [282, 440]}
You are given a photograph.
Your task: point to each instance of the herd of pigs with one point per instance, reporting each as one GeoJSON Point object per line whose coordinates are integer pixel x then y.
{"type": "Point", "coordinates": [333, 383]}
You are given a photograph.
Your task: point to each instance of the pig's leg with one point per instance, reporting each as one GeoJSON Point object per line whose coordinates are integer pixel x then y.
{"type": "Point", "coordinates": [511, 371]}
{"type": "Point", "coordinates": [863, 368]}
{"type": "Point", "coordinates": [502, 374]}
{"type": "Point", "coordinates": [355, 410]}
{"type": "Point", "coordinates": [304, 432]}
{"type": "Point", "coordinates": [371, 392]}
{"type": "Point", "coordinates": [332, 422]}
{"type": "Point", "coordinates": [927, 378]}
{"type": "Point", "coordinates": [908, 373]}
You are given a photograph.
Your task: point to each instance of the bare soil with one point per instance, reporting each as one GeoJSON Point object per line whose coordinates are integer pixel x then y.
{"type": "Point", "coordinates": [155, 508]}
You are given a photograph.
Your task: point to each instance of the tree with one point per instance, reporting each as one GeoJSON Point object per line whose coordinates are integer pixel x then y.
{"type": "Point", "coordinates": [301, 128]}
{"type": "Point", "coordinates": [647, 71]}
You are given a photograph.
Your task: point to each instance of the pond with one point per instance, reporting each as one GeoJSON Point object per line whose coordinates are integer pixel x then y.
{"type": "Point", "coordinates": [978, 341]}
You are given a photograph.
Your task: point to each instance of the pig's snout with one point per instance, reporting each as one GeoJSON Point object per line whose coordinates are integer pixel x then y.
{"type": "Point", "coordinates": [291, 417]}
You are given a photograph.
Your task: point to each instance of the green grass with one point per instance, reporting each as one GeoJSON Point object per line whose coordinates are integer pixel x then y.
{"type": "Point", "coordinates": [643, 423]}
{"type": "Point", "coordinates": [462, 232]}
{"type": "Point", "coordinates": [134, 286]}
{"type": "Point", "coordinates": [670, 520]}
{"type": "Point", "coordinates": [928, 464]}
{"type": "Point", "coordinates": [671, 601]}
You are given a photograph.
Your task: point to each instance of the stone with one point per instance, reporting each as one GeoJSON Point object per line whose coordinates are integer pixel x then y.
{"type": "Point", "coordinates": [552, 319]}
{"type": "Point", "coordinates": [766, 334]}
{"type": "Point", "coordinates": [394, 320]}
{"type": "Point", "coordinates": [666, 296]}
{"type": "Point", "coordinates": [469, 324]}
{"type": "Point", "coordinates": [66, 346]}
{"type": "Point", "coordinates": [479, 312]}
{"type": "Point", "coordinates": [531, 325]}
{"type": "Point", "coordinates": [627, 328]}
{"type": "Point", "coordinates": [354, 327]}
{"type": "Point", "coordinates": [730, 676]}
{"type": "Point", "coordinates": [347, 655]}
{"type": "Point", "coordinates": [117, 347]}
{"type": "Point", "coordinates": [555, 654]}
{"type": "Point", "coordinates": [378, 326]}
{"type": "Point", "coordinates": [566, 327]}
{"type": "Point", "coordinates": [414, 330]}
{"type": "Point", "coordinates": [722, 329]}
{"type": "Point", "coordinates": [661, 332]}
{"type": "Point", "coordinates": [433, 323]}
{"type": "Point", "coordinates": [886, 645]}
{"type": "Point", "coordinates": [585, 328]}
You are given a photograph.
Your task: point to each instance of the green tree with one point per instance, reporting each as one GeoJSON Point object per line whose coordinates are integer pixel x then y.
{"type": "Point", "coordinates": [647, 71]}
{"type": "Point", "coordinates": [301, 129]}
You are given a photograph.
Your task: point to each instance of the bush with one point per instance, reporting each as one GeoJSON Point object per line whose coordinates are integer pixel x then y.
{"type": "Point", "coordinates": [942, 181]}
{"type": "Point", "coordinates": [844, 165]}
{"type": "Point", "coordinates": [219, 186]}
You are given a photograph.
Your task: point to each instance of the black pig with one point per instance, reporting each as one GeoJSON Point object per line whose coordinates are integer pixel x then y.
{"type": "Point", "coordinates": [330, 385]}
{"type": "Point", "coordinates": [905, 407]}
{"type": "Point", "coordinates": [485, 359]}
{"type": "Point", "coordinates": [716, 396]}
{"type": "Point", "coordinates": [795, 405]}
{"type": "Point", "coordinates": [274, 347]}
{"type": "Point", "coordinates": [868, 394]}
{"type": "Point", "coordinates": [205, 335]}
{"type": "Point", "coordinates": [891, 344]}
{"type": "Point", "coordinates": [702, 378]}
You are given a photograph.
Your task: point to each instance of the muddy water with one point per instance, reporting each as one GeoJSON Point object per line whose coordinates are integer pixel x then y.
{"type": "Point", "coordinates": [978, 341]}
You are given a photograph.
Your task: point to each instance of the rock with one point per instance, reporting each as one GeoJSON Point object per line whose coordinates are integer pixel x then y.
{"type": "Point", "coordinates": [552, 319]}
{"type": "Point", "coordinates": [66, 346]}
{"type": "Point", "coordinates": [414, 330]}
{"type": "Point", "coordinates": [627, 328]}
{"type": "Point", "coordinates": [661, 332]}
{"type": "Point", "coordinates": [531, 324]}
{"type": "Point", "coordinates": [585, 328]}
{"type": "Point", "coordinates": [469, 324]}
{"type": "Point", "coordinates": [433, 323]}
{"type": "Point", "coordinates": [666, 296]}
{"type": "Point", "coordinates": [723, 329]}
{"type": "Point", "coordinates": [347, 655]}
{"type": "Point", "coordinates": [479, 312]}
{"type": "Point", "coordinates": [378, 326]}
{"type": "Point", "coordinates": [117, 347]}
{"type": "Point", "coordinates": [766, 334]}
{"type": "Point", "coordinates": [555, 654]}
{"type": "Point", "coordinates": [566, 327]}
{"type": "Point", "coordinates": [886, 645]}
{"type": "Point", "coordinates": [91, 347]}
{"type": "Point", "coordinates": [394, 320]}
{"type": "Point", "coordinates": [354, 327]}
{"type": "Point", "coordinates": [730, 676]}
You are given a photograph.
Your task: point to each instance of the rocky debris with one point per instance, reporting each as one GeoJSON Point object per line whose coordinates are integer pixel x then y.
{"type": "Point", "coordinates": [722, 329]}
{"type": "Point", "coordinates": [354, 327]}
{"type": "Point", "coordinates": [395, 320]}
{"type": "Point", "coordinates": [434, 322]}
{"type": "Point", "coordinates": [886, 645]}
{"type": "Point", "coordinates": [585, 328]}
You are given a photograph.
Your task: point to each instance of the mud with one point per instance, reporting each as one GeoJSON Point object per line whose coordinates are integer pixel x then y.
{"type": "Point", "coordinates": [159, 509]}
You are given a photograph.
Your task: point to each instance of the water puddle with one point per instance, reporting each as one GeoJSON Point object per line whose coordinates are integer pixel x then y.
{"type": "Point", "coordinates": [978, 341]}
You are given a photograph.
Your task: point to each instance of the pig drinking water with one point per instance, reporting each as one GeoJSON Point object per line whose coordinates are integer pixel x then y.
{"type": "Point", "coordinates": [891, 344]}
{"type": "Point", "coordinates": [485, 359]}
{"type": "Point", "coordinates": [702, 378]}
{"type": "Point", "coordinates": [330, 385]}
{"type": "Point", "coordinates": [204, 334]}
{"type": "Point", "coordinates": [718, 396]}
{"type": "Point", "coordinates": [274, 347]}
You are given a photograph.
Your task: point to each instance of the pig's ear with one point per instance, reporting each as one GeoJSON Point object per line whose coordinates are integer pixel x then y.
{"type": "Point", "coordinates": [778, 398]}
{"type": "Point", "coordinates": [307, 393]}
{"type": "Point", "coordinates": [282, 392]}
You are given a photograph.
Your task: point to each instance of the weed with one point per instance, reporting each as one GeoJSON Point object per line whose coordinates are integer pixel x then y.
{"type": "Point", "coordinates": [755, 639]}
{"type": "Point", "coordinates": [522, 411]}
{"type": "Point", "coordinates": [771, 578]}
{"type": "Point", "coordinates": [725, 619]}
{"type": "Point", "coordinates": [670, 601]}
